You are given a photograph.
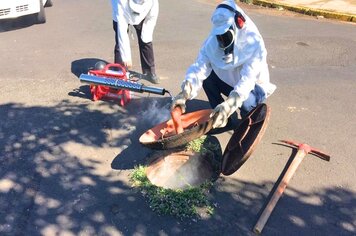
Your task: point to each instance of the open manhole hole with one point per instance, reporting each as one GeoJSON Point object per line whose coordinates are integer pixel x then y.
{"type": "Point", "coordinates": [184, 168]}
{"type": "Point", "coordinates": [181, 168]}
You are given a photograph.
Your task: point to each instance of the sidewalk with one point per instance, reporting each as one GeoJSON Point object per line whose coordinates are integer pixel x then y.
{"type": "Point", "coordinates": [335, 9]}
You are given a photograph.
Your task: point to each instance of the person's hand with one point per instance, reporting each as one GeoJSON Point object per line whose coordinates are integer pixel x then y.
{"type": "Point", "coordinates": [182, 97]}
{"type": "Point", "coordinates": [225, 109]}
{"type": "Point", "coordinates": [128, 64]}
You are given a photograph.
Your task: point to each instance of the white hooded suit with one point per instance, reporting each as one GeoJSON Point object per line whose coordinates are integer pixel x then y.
{"type": "Point", "coordinates": [249, 66]}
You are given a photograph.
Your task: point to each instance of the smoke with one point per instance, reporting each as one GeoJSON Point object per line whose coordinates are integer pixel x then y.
{"type": "Point", "coordinates": [192, 173]}
{"type": "Point", "coordinates": [180, 171]}
{"type": "Point", "coordinates": [156, 113]}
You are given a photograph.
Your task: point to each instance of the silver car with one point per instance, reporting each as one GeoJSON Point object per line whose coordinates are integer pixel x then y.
{"type": "Point", "coordinates": [17, 8]}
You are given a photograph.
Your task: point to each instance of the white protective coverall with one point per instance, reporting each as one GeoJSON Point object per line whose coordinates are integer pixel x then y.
{"type": "Point", "coordinates": [124, 15]}
{"type": "Point", "coordinates": [249, 65]}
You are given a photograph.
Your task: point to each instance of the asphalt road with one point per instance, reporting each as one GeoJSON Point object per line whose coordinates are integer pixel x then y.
{"type": "Point", "coordinates": [65, 159]}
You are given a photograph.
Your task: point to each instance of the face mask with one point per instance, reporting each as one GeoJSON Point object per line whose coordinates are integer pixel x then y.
{"type": "Point", "coordinates": [226, 43]}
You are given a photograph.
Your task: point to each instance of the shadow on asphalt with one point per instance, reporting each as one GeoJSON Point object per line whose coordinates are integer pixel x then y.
{"type": "Point", "coordinates": [16, 24]}
{"type": "Point", "coordinates": [47, 188]}
{"type": "Point", "coordinates": [82, 66]}
{"type": "Point", "coordinates": [82, 92]}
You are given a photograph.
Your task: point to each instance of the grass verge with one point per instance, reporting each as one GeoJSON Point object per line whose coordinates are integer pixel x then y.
{"type": "Point", "coordinates": [181, 203]}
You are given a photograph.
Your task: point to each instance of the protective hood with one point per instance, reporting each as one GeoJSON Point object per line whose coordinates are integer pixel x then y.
{"type": "Point", "coordinates": [140, 6]}
{"type": "Point", "coordinates": [226, 43]}
{"type": "Point", "coordinates": [217, 55]}
{"type": "Point", "coordinates": [224, 30]}
{"type": "Point", "coordinates": [222, 19]}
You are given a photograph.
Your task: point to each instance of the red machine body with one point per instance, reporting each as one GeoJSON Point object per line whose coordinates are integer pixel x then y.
{"type": "Point", "coordinates": [100, 92]}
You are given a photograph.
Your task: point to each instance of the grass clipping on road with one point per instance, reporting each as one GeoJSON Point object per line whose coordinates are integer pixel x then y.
{"type": "Point", "coordinates": [181, 203]}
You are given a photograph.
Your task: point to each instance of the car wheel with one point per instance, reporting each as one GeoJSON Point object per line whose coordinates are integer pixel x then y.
{"type": "Point", "coordinates": [41, 16]}
{"type": "Point", "coordinates": [49, 3]}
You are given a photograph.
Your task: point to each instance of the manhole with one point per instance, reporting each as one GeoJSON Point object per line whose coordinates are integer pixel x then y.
{"type": "Point", "coordinates": [181, 168]}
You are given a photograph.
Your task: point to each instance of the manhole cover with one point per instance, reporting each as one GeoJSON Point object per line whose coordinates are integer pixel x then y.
{"type": "Point", "coordinates": [164, 136]}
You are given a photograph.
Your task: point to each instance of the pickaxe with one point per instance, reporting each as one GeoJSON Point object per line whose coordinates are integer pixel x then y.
{"type": "Point", "coordinates": [303, 150]}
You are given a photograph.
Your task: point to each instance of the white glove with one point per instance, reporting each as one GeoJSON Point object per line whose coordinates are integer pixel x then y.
{"type": "Point", "coordinates": [225, 109]}
{"type": "Point", "coordinates": [183, 96]}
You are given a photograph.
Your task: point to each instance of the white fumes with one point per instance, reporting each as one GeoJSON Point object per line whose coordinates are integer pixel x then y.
{"type": "Point", "coordinates": [180, 171]}
{"type": "Point", "coordinates": [195, 171]}
{"type": "Point", "coordinates": [156, 113]}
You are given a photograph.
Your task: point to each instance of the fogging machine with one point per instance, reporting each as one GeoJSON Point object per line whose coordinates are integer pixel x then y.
{"type": "Point", "coordinates": [113, 82]}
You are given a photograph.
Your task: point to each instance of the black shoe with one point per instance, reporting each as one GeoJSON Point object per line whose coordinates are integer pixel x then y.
{"type": "Point", "coordinates": [152, 78]}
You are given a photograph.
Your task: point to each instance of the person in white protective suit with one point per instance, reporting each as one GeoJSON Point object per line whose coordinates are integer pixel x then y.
{"type": "Point", "coordinates": [142, 15]}
{"type": "Point", "coordinates": [232, 61]}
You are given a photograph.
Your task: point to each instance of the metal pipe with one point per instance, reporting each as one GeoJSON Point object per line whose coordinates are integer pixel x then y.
{"type": "Point", "coordinates": [121, 84]}
{"type": "Point", "coordinates": [155, 90]}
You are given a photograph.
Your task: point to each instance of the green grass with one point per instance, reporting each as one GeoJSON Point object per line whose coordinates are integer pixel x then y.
{"type": "Point", "coordinates": [247, 1]}
{"type": "Point", "coordinates": [202, 145]}
{"type": "Point", "coordinates": [179, 203]}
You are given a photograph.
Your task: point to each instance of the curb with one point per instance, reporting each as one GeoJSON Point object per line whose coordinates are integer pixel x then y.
{"type": "Point", "coordinates": [307, 11]}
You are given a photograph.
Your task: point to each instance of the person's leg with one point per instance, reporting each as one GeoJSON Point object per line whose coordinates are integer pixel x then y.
{"type": "Point", "coordinates": [146, 55]}
{"type": "Point", "coordinates": [117, 55]}
{"type": "Point", "coordinates": [214, 87]}
{"type": "Point", "coordinates": [257, 96]}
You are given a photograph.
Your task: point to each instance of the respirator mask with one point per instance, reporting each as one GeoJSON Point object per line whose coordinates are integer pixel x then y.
{"type": "Point", "coordinates": [226, 43]}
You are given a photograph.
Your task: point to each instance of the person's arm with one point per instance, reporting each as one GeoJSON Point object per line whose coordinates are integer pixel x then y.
{"type": "Point", "coordinates": [114, 8]}
{"type": "Point", "coordinates": [149, 23]}
{"type": "Point", "coordinates": [193, 81]}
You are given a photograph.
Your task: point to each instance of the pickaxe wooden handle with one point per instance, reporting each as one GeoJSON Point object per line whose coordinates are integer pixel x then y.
{"type": "Point", "coordinates": [303, 150]}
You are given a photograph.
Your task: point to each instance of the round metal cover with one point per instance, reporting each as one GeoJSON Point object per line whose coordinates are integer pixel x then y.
{"type": "Point", "coordinates": [245, 139]}
{"type": "Point", "coordinates": [164, 136]}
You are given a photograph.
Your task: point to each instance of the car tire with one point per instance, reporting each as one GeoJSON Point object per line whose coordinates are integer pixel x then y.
{"type": "Point", "coordinates": [49, 3]}
{"type": "Point", "coordinates": [41, 16]}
